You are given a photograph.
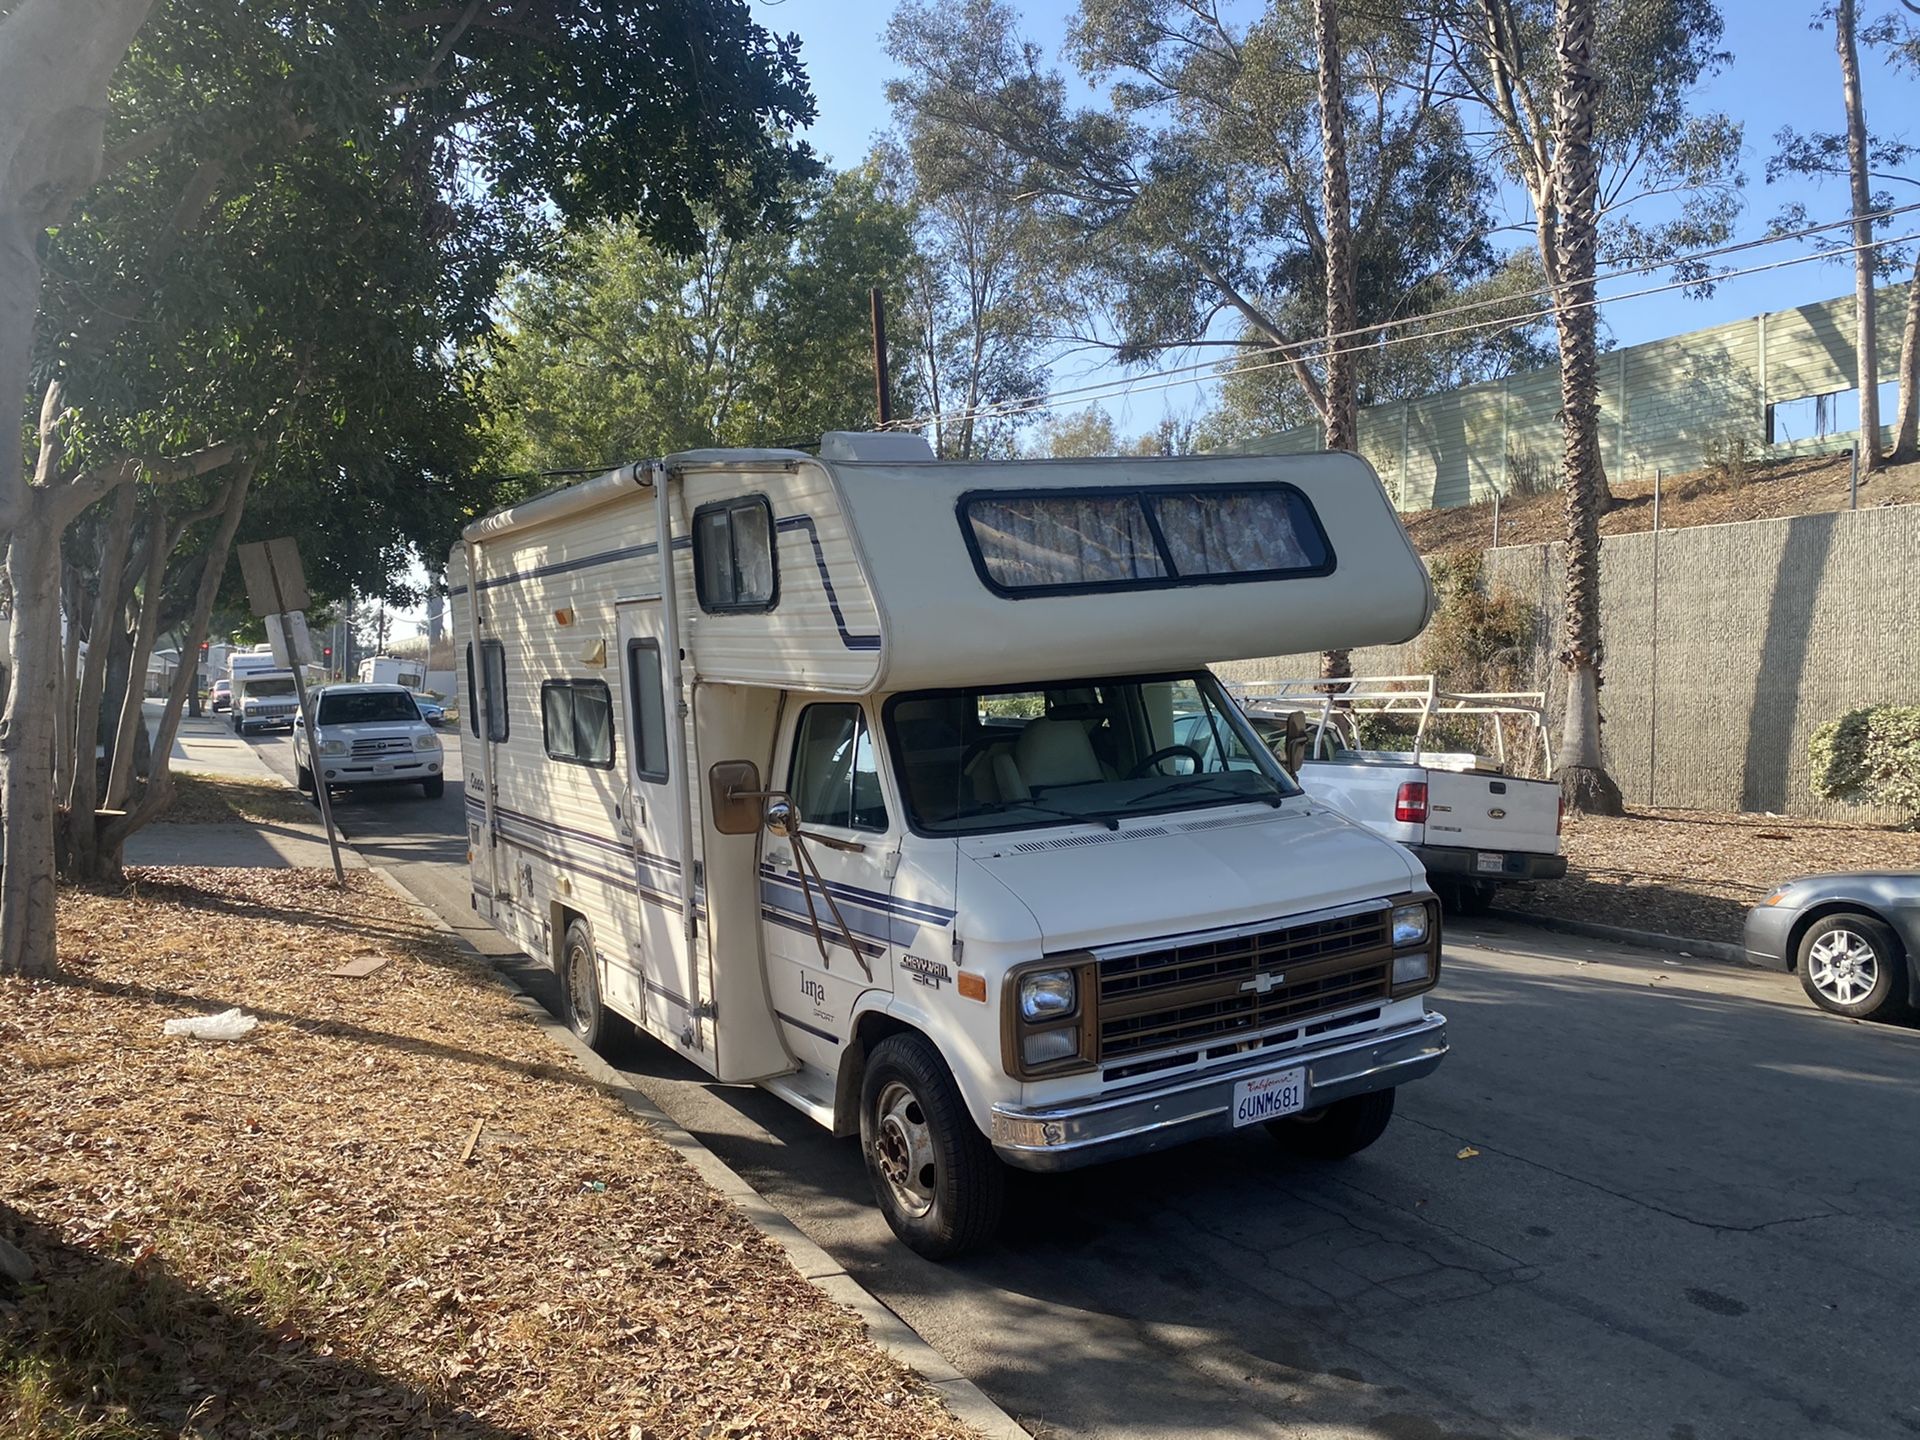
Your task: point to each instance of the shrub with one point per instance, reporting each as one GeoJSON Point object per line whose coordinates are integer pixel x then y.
{"type": "Point", "coordinates": [1870, 757]}
{"type": "Point", "coordinates": [1528, 474]}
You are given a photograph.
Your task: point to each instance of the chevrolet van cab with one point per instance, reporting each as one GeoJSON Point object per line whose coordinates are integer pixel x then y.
{"type": "Point", "coordinates": [905, 791]}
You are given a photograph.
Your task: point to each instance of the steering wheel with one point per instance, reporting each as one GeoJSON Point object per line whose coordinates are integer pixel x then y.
{"type": "Point", "coordinates": [1165, 753]}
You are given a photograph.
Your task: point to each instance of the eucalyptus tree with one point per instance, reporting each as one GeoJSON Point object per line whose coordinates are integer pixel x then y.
{"type": "Point", "coordinates": [401, 158]}
{"type": "Point", "coordinates": [1589, 104]}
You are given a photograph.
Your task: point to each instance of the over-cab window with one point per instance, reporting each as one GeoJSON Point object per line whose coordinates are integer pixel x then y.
{"type": "Point", "coordinates": [733, 563]}
{"type": "Point", "coordinates": [1061, 541]}
{"type": "Point", "coordinates": [576, 717]}
{"type": "Point", "coordinates": [494, 656]}
{"type": "Point", "coordinates": [836, 780]}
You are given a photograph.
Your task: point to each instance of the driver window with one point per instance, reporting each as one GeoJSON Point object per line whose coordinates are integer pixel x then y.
{"type": "Point", "coordinates": [836, 779]}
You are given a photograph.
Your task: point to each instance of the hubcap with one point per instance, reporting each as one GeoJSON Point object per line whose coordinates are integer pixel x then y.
{"type": "Point", "coordinates": [1843, 967]}
{"type": "Point", "coordinates": [579, 988]}
{"type": "Point", "coordinates": [903, 1149]}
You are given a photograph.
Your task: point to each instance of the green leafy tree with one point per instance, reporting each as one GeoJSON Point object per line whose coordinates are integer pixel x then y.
{"type": "Point", "coordinates": [386, 162]}
{"type": "Point", "coordinates": [623, 349]}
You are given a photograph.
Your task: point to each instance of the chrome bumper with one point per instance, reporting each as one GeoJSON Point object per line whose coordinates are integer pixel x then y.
{"type": "Point", "coordinates": [1063, 1137]}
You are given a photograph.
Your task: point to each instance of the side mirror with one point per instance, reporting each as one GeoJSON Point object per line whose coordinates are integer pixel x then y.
{"type": "Point", "coordinates": [733, 796]}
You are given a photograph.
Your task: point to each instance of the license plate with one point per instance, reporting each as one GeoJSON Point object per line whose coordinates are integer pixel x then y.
{"type": "Point", "coordinates": [1265, 1097]}
{"type": "Point", "coordinates": [1490, 862]}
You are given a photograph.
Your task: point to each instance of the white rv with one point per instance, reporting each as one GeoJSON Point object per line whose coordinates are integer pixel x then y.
{"type": "Point", "coordinates": [883, 796]}
{"type": "Point", "coordinates": [262, 691]}
{"type": "Point", "coordinates": [387, 670]}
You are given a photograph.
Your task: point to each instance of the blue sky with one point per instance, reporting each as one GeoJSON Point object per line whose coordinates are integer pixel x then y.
{"type": "Point", "coordinates": [1783, 73]}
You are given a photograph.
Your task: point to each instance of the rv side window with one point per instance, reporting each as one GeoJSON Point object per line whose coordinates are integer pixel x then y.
{"type": "Point", "coordinates": [646, 701]}
{"type": "Point", "coordinates": [836, 780]}
{"type": "Point", "coordinates": [733, 564]}
{"type": "Point", "coordinates": [1061, 541]}
{"type": "Point", "coordinates": [494, 655]}
{"type": "Point", "coordinates": [576, 717]}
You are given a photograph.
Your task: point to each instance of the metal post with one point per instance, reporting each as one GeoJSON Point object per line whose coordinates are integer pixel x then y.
{"type": "Point", "coordinates": [313, 746]}
{"type": "Point", "coordinates": [1658, 476]}
{"type": "Point", "coordinates": [1853, 480]}
{"type": "Point", "coordinates": [481, 725]}
{"type": "Point", "coordinates": [882, 391]}
{"type": "Point", "coordinates": [677, 713]}
{"type": "Point", "coordinates": [1496, 520]}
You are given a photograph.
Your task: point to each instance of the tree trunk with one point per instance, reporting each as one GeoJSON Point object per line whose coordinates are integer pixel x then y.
{"type": "Point", "coordinates": [26, 750]}
{"type": "Point", "coordinates": [1906, 432]}
{"type": "Point", "coordinates": [1583, 776]}
{"type": "Point", "coordinates": [57, 58]}
{"type": "Point", "coordinates": [146, 630]}
{"type": "Point", "coordinates": [84, 785]}
{"type": "Point", "coordinates": [1341, 414]}
{"type": "Point", "coordinates": [1866, 355]}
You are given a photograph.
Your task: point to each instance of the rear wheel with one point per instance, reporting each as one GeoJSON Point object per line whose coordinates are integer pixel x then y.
{"type": "Point", "coordinates": [1852, 964]}
{"type": "Point", "coordinates": [435, 786]}
{"type": "Point", "coordinates": [937, 1181]}
{"type": "Point", "coordinates": [1333, 1132]}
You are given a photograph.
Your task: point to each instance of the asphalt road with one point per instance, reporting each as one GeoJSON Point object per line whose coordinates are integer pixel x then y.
{"type": "Point", "coordinates": [1645, 1198]}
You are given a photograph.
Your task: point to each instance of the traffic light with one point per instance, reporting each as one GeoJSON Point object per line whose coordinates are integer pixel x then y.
{"type": "Point", "coordinates": [203, 649]}
{"type": "Point", "coordinates": [326, 652]}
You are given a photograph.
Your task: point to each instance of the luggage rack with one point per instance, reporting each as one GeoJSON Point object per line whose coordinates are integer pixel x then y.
{"type": "Point", "coordinates": [1418, 696]}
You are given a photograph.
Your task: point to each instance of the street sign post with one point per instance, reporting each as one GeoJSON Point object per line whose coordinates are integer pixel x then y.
{"type": "Point", "coordinates": [277, 592]}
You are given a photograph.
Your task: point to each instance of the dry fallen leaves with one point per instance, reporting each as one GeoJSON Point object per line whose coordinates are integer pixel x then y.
{"type": "Point", "coordinates": [279, 1236]}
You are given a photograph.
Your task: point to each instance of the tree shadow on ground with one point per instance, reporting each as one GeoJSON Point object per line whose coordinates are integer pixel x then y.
{"type": "Point", "coordinates": [98, 1343]}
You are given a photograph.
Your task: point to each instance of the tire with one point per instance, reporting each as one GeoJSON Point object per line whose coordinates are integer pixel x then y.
{"type": "Point", "coordinates": [937, 1181]}
{"type": "Point", "coordinates": [1474, 897]}
{"type": "Point", "coordinates": [1336, 1131]}
{"type": "Point", "coordinates": [1852, 965]}
{"type": "Point", "coordinates": [435, 786]}
{"type": "Point", "coordinates": [303, 777]}
{"type": "Point", "coordinates": [579, 967]}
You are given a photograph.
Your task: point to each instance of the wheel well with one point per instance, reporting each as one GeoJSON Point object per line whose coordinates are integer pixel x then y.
{"type": "Point", "coordinates": [868, 1031]}
{"type": "Point", "coordinates": [1835, 907]}
{"type": "Point", "coordinates": [558, 918]}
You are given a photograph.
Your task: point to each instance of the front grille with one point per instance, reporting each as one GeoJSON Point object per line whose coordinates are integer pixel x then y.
{"type": "Point", "coordinates": [388, 745]}
{"type": "Point", "coordinates": [1201, 992]}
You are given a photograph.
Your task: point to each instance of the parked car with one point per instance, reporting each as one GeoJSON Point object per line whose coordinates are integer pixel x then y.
{"type": "Point", "coordinates": [221, 696]}
{"type": "Point", "coordinates": [367, 735]}
{"type": "Point", "coordinates": [431, 711]}
{"type": "Point", "coordinates": [1854, 939]}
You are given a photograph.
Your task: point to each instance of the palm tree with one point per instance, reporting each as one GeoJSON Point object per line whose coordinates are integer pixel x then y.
{"type": "Point", "coordinates": [1341, 409]}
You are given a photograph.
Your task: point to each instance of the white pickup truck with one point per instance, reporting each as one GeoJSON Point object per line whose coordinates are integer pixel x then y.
{"type": "Point", "coordinates": [1472, 823]}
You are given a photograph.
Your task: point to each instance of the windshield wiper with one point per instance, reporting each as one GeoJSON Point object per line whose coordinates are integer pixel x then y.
{"type": "Point", "coordinates": [1002, 807]}
{"type": "Point", "coordinates": [1176, 795]}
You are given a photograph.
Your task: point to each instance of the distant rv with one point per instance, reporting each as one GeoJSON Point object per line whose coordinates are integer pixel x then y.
{"type": "Point", "coordinates": [386, 670]}
{"type": "Point", "coordinates": [905, 791]}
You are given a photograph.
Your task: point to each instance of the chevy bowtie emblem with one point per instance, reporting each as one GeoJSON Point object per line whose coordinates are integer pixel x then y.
{"type": "Point", "coordinates": [1261, 984]}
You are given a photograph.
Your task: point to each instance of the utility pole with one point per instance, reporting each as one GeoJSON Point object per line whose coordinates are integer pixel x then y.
{"type": "Point", "coordinates": [882, 391]}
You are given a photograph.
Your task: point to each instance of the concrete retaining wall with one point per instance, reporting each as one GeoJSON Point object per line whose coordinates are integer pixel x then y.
{"type": "Point", "coordinates": [1727, 645]}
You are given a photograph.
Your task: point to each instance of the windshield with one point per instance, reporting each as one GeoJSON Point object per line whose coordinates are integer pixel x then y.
{"type": "Point", "coordinates": [269, 689]}
{"type": "Point", "coordinates": [1097, 750]}
{"type": "Point", "coordinates": [367, 707]}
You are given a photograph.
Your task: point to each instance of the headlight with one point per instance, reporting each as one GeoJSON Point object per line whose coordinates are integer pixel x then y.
{"type": "Point", "coordinates": [1046, 994]}
{"type": "Point", "coordinates": [426, 741]}
{"type": "Point", "coordinates": [333, 747]}
{"type": "Point", "coordinates": [250, 703]}
{"type": "Point", "coordinates": [1410, 925]}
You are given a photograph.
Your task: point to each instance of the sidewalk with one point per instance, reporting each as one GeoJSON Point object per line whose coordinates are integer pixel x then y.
{"type": "Point", "coordinates": [209, 747]}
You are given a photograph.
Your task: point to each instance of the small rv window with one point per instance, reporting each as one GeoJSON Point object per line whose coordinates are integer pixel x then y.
{"type": "Point", "coordinates": [646, 699]}
{"type": "Point", "coordinates": [836, 780]}
{"type": "Point", "coordinates": [733, 561]}
{"type": "Point", "coordinates": [494, 655]}
{"type": "Point", "coordinates": [576, 717]}
{"type": "Point", "coordinates": [1062, 541]}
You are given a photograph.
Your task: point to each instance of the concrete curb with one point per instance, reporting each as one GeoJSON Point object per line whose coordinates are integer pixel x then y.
{"type": "Point", "coordinates": [968, 1403]}
{"type": "Point", "coordinates": [1719, 950]}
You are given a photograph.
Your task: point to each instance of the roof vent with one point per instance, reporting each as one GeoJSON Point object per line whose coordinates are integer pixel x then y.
{"type": "Point", "coordinates": [887, 447]}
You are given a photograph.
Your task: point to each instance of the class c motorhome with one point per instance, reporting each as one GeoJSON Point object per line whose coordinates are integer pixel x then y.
{"type": "Point", "coordinates": [903, 790]}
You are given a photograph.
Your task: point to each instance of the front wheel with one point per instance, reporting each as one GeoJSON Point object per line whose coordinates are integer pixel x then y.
{"type": "Point", "coordinates": [938, 1182]}
{"type": "Point", "coordinates": [1333, 1132]}
{"type": "Point", "coordinates": [1852, 965]}
{"type": "Point", "coordinates": [435, 786]}
{"type": "Point", "coordinates": [303, 777]}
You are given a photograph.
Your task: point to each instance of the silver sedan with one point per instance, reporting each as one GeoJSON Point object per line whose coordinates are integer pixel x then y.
{"type": "Point", "coordinates": [1855, 939]}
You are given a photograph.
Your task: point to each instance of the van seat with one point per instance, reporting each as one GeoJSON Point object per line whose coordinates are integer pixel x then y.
{"type": "Point", "coordinates": [1056, 752]}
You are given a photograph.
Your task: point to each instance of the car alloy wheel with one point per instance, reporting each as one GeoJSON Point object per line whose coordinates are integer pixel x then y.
{"type": "Point", "coordinates": [1843, 966]}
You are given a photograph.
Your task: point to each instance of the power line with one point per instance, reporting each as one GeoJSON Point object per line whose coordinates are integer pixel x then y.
{"type": "Point", "coordinates": [1130, 385]}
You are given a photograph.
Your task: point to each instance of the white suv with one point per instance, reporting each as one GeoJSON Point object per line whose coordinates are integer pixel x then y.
{"type": "Point", "coordinates": [368, 735]}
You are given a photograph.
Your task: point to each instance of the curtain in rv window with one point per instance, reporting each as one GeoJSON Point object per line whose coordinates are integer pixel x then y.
{"type": "Point", "coordinates": [836, 780]}
{"type": "Point", "coordinates": [494, 656]}
{"type": "Point", "coordinates": [576, 720]}
{"type": "Point", "coordinates": [1061, 541]}
{"type": "Point", "coordinates": [733, 564]}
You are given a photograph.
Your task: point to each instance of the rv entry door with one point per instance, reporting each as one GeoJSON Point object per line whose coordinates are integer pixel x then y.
{"type": "Point", "coordinates": [660, 971]}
